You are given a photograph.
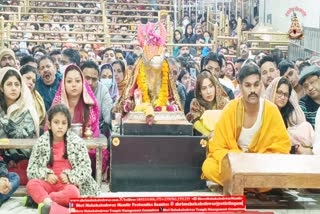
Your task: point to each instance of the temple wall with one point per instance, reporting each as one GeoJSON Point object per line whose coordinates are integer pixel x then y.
{"type": "Point", "coordinates": [278, 13]}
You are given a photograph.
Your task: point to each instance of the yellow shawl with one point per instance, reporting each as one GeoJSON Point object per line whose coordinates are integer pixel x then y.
{"type": "Point", "coordinates": [272, 137]}
{"type": "Point", "coordinates": [39, 105]}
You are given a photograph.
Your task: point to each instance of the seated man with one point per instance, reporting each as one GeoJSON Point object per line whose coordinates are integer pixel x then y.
{"type": "Point", "coordinates": [90, 71]}
{"type": "Point", "coordinates": [7, 58]}
{"type": "Point", "coordinates": [48, 80]}
{"type": "Point", "coordinates": [247, 124]}
{"type": "Point", "coordinates": [9, 182]}
{"type": "Point", "coordinates": [310, 81]}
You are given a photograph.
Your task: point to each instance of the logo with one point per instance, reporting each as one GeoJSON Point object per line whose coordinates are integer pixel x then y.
{"type": "Point", "coordinates": [295, 31]}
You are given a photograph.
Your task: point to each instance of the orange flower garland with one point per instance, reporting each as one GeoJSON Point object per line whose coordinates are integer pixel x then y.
{"type": "Point", "coordinates": [143, 85]}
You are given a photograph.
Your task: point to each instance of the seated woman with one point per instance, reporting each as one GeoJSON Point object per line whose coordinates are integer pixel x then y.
{"type": "Point", "coordinates": [120, 75]}
{"type": "Point", "coordinates": [177, 39]}
{"type": "Point", "coordinates": [300, 131]}
{"type": "Point", "coordinates": [107, 78]}
{"type": "Point", "coordinates": [18, 119]}
{"type": "Point", "coordinates": [29, 75]}
{"type": "Point", "coordinates": [76, 94]}
{"type": "Point", "coordinates": [209, 95]}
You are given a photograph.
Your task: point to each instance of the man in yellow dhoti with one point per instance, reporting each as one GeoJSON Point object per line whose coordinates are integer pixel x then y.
{"type": "Point", "coordinates": [247, 124]}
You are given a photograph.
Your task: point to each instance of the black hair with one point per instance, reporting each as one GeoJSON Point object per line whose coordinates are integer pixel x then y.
{"type": "Point", "coordinates": [182, 73]}
{"type": "Point", "coordinates": [46, 57]}
{"type": "Point", "coordinates": [90, 64]}
{"type": "Point", "coordinates": [240, 60]}
{"type": "Point", "coordinates": [122, 65]}
{"type": "Point", "coordinates": [131, 58]}
{"type": "Point", "coordinates": [211, 57]}
{"type": "Point", "coordinates": [26, 69]}
{"type": "Point", "coordinates": [277, 55]}
{"type": "Point", "coordinates": [26, 59]}
{"type": "Point", "coordinates": [287, 110]}
{"type": "Point", "coordinates": [107, 49]}
{"type": "Point", "coordinates": [284, 65]}
{"type": "Point", "coordinates": [59, 108]}
{"type": "Point", "coordinates": [8, 74]}
{"type": "Point", "coordinates": [250, 61]}
{"type": "Point", "coordinates": [119, 51]}
{"type": "Point", "coordinates": [73, 55]}
{"type": "Point", "coordinates": [36, 26]}
{"type": "Point", "coordinates": [40, 49]}
{"type": "Point", "coordinates": [36, 48]}
{"type": "Point", "coordinates": [106, 66]}
{"type": "Point", "coordinates": [247, 70]}
{"type": "Point", "coordinates": [222, 59]}
{"type": "Point", "coordinates": [225, 48]}
{"type": "Point", "coordinates": [199, 37]}
{"type": "Point", "coordinates": [268, 58]}
{"type": "Point", "coordinates": [54, 52]}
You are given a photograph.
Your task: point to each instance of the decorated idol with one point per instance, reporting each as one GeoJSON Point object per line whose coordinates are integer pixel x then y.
{"type": "Point", "coordinates": [150, 86]}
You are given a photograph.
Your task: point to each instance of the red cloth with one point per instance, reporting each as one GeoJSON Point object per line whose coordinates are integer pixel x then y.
{"type": "Point", "coordinates": [21, 170]}
{"type": "Point", "coordinates": [78, 112]}
{"type": "Point", "coordinates": [59, 193]}
{"type": "Point", "coordinates": [59, 163]}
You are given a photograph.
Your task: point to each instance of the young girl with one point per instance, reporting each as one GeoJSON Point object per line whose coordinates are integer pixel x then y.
{"type": "Point", "coordinates": [59, 167]}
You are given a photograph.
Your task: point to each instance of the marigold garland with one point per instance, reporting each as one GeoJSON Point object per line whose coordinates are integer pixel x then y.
{"type": "Point", "coordinates": [143, 85]}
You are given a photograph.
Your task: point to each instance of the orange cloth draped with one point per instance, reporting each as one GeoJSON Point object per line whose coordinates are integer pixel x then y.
{"type": "Point", "coordinates": [272, 137]}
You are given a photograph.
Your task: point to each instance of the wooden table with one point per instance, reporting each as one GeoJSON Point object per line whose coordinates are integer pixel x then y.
{"type": "Point", "coordinates": [248, 170]}
{"type": "Point", "coordinates": [94, 143]}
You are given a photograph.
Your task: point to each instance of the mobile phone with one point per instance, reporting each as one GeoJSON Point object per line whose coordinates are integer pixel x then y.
{"type": "Point", "coordinates": [193, 72]}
